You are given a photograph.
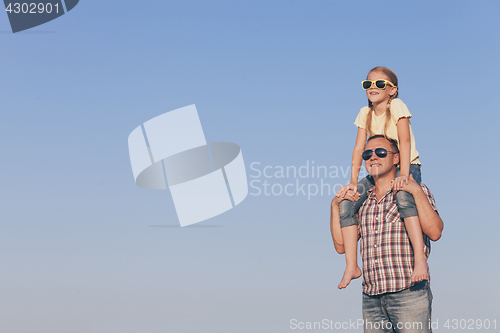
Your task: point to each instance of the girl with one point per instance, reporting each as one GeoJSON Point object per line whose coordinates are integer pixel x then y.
{"type": "Point", "coordinates": [385, 115]}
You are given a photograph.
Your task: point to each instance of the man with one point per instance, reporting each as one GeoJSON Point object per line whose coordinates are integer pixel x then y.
{"type": "Point", "coordinates": [391, 303]}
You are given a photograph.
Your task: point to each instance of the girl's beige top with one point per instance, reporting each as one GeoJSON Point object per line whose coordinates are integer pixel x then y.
{"type": "Point", "coordinates": [398, 111]}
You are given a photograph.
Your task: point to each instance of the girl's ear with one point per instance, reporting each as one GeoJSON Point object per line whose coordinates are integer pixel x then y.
{"type": "Point", "coordinates": [394, 90]}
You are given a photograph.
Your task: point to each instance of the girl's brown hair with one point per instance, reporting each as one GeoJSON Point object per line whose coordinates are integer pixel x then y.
{"type": "Point", "coordinates": [394, 79]}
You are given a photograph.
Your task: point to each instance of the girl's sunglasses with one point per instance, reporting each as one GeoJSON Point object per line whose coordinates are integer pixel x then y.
{"type": "Point", "coordinates": [380, 152]}
{"type": "Point", "coordinates": [380, 84]}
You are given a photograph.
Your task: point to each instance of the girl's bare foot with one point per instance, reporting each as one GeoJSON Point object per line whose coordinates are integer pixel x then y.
{"type": "Point", "coordinates": [419, 271]}
{"type": "Point", "coordinates": [351, 272]}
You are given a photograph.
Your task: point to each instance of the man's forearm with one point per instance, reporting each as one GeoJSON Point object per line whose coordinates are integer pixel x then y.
{"type": "Point", "coordinates": [431, 223]}
{"type": "Point", "coordinates": [335, 229]}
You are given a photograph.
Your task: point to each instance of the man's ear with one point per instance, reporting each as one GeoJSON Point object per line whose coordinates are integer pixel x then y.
{"type": "Point", "coordinates": [396, 159]}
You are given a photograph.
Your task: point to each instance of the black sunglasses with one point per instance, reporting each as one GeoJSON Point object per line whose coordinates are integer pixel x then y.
{"type": "Point", "coordinates": [380, 152]}
{"type": "Point", "coordinates": [380, 84]}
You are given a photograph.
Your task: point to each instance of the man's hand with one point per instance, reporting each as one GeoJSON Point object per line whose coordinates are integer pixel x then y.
{"type": "Point", "coordinates": [349, 195]}
{"type": "Point", "coordinates": [346, 188]}
{"type": "Point", "coordinates": [411, 186]}
{"type": "Point", "coordinates": [398, 182]}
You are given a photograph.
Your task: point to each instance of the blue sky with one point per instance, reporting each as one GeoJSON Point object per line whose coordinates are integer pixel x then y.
{"type": "Point", "coordinates": [83, 249]}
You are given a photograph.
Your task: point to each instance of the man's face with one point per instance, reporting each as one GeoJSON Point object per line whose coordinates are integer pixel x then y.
{"type": "Point", "coordinates": [377, 166]}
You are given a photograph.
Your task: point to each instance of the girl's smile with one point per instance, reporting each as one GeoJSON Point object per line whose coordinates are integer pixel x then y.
{"type": "Point", "coordinates": [379, 96]}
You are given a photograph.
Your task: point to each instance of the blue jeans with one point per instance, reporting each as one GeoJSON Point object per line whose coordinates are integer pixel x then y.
{"type": "Point", "coordinates": [405, 201]}
{"type": "Point", "coordinates": [405, 311]}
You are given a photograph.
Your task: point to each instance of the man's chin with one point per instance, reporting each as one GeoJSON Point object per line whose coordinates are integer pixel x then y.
{"type": "Point", "coordinates": [374, 172]}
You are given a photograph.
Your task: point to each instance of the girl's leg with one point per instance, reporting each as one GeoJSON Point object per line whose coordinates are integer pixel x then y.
{"type": "Point", "coordinates": [408, 211]}
{"type": "Point", "coordinates": [349, 224]}
{"type": "Point", "coordinates": [352, 270]}
{"type": "Point", "coordinates": [349, 209]}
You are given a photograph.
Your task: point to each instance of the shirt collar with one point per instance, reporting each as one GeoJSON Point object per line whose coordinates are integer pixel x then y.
{"type": "Point", "coordinates": [372, 195]}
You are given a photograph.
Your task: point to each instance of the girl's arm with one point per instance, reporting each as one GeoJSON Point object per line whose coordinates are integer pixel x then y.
{"type": "Point", "coordinates": [404, 146]}
{"type": "Point", "coordinates": [356, 163]}
{"type": "Point", "coordinates": [404, 153]}
{"type": "Point", "coordinates": [356, 155]}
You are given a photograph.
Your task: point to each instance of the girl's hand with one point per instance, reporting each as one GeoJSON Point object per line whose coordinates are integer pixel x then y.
{"type": "Point", "coordinates": [344, 189]}
{"type": "Point", "coordinates": [352, 195]}
{"type": "Point", "coordinates": [412, 186]}
{"type": "Point", "coordinates": [398, 182]}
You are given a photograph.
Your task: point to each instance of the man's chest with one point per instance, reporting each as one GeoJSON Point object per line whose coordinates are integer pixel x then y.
{"type": "Point", "coordinates": [380, 220]}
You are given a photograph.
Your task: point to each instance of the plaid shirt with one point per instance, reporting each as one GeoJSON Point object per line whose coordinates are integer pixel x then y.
{"type": "Point", "coordinates": [385, 246]}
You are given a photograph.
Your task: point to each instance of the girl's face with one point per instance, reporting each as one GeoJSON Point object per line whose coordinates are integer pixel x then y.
{"type": "Point", "coordinates": [377, 96]}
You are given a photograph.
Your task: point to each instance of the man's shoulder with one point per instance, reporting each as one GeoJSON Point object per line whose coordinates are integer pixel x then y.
{"type": "Point", "coordinates": [425, 189]}
{"type": "Point", "coordinates": [429, 196]}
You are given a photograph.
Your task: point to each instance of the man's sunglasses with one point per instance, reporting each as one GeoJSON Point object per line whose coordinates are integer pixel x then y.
{"type": "Point", "coordinates": [380, 84]}
{"type": "Point", "coordinates": [380, 152]}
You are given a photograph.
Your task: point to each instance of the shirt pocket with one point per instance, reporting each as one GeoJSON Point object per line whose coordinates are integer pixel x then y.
{"type": "Point", "coordinates": [392, 216]}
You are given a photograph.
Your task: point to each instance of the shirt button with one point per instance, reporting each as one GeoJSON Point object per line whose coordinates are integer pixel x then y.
{"type": "Point", "coordinates": [374, 245]}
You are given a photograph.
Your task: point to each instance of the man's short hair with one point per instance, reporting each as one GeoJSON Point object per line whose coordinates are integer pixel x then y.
{"type": "Point", "coordinates": [393, 142]}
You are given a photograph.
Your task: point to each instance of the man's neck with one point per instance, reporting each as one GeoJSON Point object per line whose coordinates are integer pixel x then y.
{"type": "Point", "coordinates": [383, 184]}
